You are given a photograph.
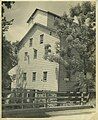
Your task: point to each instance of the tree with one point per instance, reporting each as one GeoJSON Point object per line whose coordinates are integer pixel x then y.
{"type": "Point", "coordinates": [77, 35]}
{"type": "Point", "coordinates": [86, 45]}
{"type": "Point", "coordinates": [5, 22]}
{"type": "Point", "coordinates": [7, 48]}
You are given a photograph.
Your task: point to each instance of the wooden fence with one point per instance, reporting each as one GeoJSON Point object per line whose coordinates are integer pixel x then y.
{"type": "Point", "coordinates": [22, 99]}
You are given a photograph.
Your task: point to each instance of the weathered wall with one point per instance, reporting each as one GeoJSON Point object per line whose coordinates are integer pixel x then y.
{"type": "Point", "coordinates": [39, 65]}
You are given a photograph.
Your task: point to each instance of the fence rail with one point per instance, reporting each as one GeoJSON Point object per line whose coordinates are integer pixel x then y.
{"type": "Point", "coordinates": [21, 99]}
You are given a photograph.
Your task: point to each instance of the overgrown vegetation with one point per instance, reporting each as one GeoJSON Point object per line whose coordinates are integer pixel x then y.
{"type": "Point", "coordinates": [8, 49]}
{"type": "Point", "coordinates": [76, 50]}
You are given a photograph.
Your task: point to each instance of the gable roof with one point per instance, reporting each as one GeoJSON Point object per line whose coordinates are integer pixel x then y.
{"type": "Point", "coordinates": [31, 17]}
{"type": "Point", "coordinates": [35, 24]}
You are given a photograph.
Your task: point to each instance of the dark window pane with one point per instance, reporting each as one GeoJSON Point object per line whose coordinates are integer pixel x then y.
{"type": "Point", "coordinates": [30, 44]}
{"type": "Point", "coordinates": [41, 38]}
{"type": "Point", "coordinates": [34, 76]}
{"type": "Point", "coordinates": [26, 55]}
{"type": "Point", "coordinates": [45, 76]}
{"type": "Point", "coordinates": [24, 76]}
{"type": "Point", "coordinates": [35, 53]}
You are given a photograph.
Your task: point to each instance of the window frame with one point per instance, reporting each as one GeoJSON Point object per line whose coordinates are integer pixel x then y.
{"type": "Point", "coordinates": [25, 76]}
{"type": "Point", "coordinates": [30, 42]}
{"type": "Point", "coordinates": [33, 76]}
{"type": "Point", "coordinates": [25, 57]}
{"type": "Point", "coordinates": [41, 38]}
{"type": "Point", "coordinates": [35, 54]}
{"type": "Point", "coordinates": [45, 75]}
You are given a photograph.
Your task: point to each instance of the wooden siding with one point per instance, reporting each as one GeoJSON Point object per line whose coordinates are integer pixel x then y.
{"type": "Point", "coordinates": [39, 65]}
{"type": "Point", "coordinates": [39, 17]}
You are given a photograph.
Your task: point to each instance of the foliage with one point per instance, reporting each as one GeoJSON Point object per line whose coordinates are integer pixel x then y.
{"type": "Point", "coordinates": [8, 57]}
{"type": "Point", "coordinates": [5, 22]}
{"type": "Point", "coordinates": [77, 35]}
{"type": "Point", "coordinates": [9, 60]}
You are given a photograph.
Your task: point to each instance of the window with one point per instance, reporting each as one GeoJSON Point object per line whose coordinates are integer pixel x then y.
{"type": "Point", "coordinates": [34, 76]}
{"type": "Point", "coordinates": [41, 38]}
{"type": "Point", "coordinates": [30, 44]}
{"type": "Point", "coordinates": [24, 76]}
{"type": "Point", "coordinates": [44, 76]}
{"type": "Point", "coordinates": [26, 55]}
{"type": "Point", "coordinates": [35, 54]}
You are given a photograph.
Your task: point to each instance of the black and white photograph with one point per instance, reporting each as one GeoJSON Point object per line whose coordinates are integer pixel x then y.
{"type": "Point", "coordinates": [48, 59]}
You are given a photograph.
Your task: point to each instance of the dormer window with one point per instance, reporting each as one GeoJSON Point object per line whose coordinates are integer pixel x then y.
{"type": "Point", "coordinates": [30, 43]}
{"type": "Point", "coordinates": [41, 38]}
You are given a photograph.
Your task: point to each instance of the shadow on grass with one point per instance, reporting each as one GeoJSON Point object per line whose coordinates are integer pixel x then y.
{"type": "Point", "coordinates": [29, 115]}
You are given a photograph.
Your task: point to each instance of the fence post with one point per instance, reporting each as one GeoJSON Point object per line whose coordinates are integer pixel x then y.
{"type": "Point", "coordinates": [22, 99]}
{"type": "Point", "coordinates": [82, 96]}
{"type": "Point", "coordinates": [46, 100]}
{"type": "Point", "coordinates": [35, 99]}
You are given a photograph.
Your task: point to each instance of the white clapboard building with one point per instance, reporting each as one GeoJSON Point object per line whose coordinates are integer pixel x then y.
{"type": "Point", "coordinates": [33, 70]}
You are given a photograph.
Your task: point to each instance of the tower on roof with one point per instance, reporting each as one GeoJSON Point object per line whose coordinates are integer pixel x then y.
{"type": "Point", "coordinates": [45, 18]}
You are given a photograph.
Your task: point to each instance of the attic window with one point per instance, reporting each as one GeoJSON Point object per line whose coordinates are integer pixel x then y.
{"type": "Point", "coordinates": [41, 38]}
{"type": "Point", "coordinates": [30, 43]}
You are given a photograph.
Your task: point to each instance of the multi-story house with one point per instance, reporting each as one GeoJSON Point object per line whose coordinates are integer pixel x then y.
{"type": "Point", "coordinates": [33, 70]}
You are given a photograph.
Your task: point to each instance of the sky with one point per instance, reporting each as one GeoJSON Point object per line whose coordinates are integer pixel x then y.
{"type": "Point", "coordinates": [22, 10]}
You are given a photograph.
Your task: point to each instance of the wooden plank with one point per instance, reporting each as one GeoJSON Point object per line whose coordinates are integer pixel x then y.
{"type": "Point", "coordinates": [29, 90]}
{"type": "Point", "coordinates": [63, 96]}
{"type": "Point", "coordinates": [39, 103]}
{"type": "Point", "coordinates": [49, 97]}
